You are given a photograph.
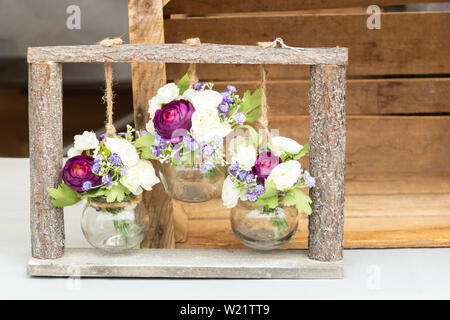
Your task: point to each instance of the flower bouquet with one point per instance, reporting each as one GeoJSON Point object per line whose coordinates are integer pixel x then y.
{"type": "Point", "coordinates": [186, 131]}
{"type": "Point", "coordinates": [263, 188]}
{"type": "Point", "coordinates": [110, 175]}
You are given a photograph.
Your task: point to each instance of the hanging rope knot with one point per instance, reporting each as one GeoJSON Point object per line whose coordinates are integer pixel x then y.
{"type": "Point", "coordinates": [193, 78]}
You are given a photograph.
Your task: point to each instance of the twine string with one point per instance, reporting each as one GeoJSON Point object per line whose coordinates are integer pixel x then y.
{"type": "Point", "coordinates": [109, 94]}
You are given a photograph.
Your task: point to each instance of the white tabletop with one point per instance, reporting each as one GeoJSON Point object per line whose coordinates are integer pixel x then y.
{"type": "Point", "coordinates": [369, 273]}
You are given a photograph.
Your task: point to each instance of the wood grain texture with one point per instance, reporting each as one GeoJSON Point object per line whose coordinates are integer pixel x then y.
{"type": "Point", "coordinates": [407, 43]}
{"type": "Point", "coordinates": [381, 211]}
{"type": "Point", "coordinates": [161, 263]}
{"type": "Point", "coordinates": [45, 123]}
{"type": "Point", "coordinates": [184, 53]}
{"type": "Point", "coordinates": [384, 145]}
{"type": "Point", "coordinates": [146, 26]}
{"type": "Point", "coordinates": [327, 162]}
{"type": "Point", "coordinates": [363, 97]}
{"type": "Point", "coordinates": [213, 6]}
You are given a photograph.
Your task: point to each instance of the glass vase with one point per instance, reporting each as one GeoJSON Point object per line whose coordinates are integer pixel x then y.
{"type": "Point", "coordinates": [187, 183]}
{"type": "Point", "coordinates": [114, 227]}
{"type": "Point", "coordinates": [262, 230]}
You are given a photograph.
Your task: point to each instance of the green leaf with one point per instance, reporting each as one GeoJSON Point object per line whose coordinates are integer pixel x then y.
{"type": "Point", "coordinates": [304, 151]}
{"type": "Point", "coordinates": [144, 146]}
{"type": "Point", "coordinates": [251, 101]}
{"type": "Point", "coordinates": [183, 84]}
{"type": "Point", "coordinates": [271, 189]}
{"type": "Point", "coordinates": [63, 196]}
{"type": "Point", "coordinates": [270, 202]}
{"type": "Point", "coordinates": [299, 199]}
{"type": "Point", "coordinates": [116, 193]}
{"type": "Point", "coordinates": [254, 115]}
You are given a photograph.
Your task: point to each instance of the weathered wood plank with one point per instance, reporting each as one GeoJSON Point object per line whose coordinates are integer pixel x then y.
{"type": "Point", "coordinates": [214, 6]}
{"type": "Point", "coordinates": [327, 162]}
{"type": "Point", "coordinates": [384, 145]}
{"type": "Point", "coordinates": [45, 123]}
{"type": "Point", "coordinates": [364, 97]}
{"type": "Point", "coordinates": [407, 43]}
{"type": "Point", "coordinates": [183, 53]}
{"type": "Point", "coordinates": [163, 263]}
{"type": "Point", "coordinates": [146, 26]}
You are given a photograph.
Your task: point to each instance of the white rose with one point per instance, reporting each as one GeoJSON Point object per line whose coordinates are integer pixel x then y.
{"type": "Point", "coordinates": [285, 175]}
{"type": "Point", "coordinates": [245, 156]}
{"type": "Point", "coordinates": [206, 100]}
{"type": "Point", "coordinates": [72, 152]}
{"type": "Point", "coordinates": [153, 105]}
{"type": "Point", "coordinates": [189, 94]}
{"type": "Point", "coordinates": [126, 151]}
{"type": "Point", "coordinates": [230, 194]}
{"type": "Point", "coordinates": [86, 141]}
{"type": "Point", "coordinates": [206, 125]}
{"type": "Point", "coordinates": [168, 93]}
{"type": "Point", "coordinates": [141, 175]}
{"type": "Point", "coordinates": [280, 145]}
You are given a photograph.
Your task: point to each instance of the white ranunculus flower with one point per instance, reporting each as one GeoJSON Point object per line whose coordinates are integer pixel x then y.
{"type": "Point", "coordinates": [141, 175]}
{"type": "Point", "coordinates": [206, 125]}
{"type": "Point", "coordinates": [206, 100]}
{"type": "Point", "coordinates": [72, 152]}
{"type": "Point", "coordinates": [86, 141]}
{"type": "Point", "coordinates": [245, 156]}
{"type": "Point", "coordinates": [230, 194]}
{"type": "Point", "coordinates": [189, 94]}
{"type": "Point", "coordinates": [126, 151]}
{"type": "Point", "coordinates": [285, 175]}
{"type": "Point", "coordinates": [168, 93]}
{"type": "Point", "coordinates": [153, 105]}
{"type": "Point", "coordinates": [280, 145]}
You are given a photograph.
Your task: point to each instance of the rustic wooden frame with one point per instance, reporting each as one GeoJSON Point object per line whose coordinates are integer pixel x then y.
{"type": "Point", "coordinates": [327, 164]}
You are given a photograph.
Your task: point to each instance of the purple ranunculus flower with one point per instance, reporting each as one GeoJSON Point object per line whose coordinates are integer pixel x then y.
{"type": "Point", "coordinates": [265, 162]}
{"type": "Point", "coordinates": [77, 171]}
{"type": "Point", "coordinates": [173, 120]}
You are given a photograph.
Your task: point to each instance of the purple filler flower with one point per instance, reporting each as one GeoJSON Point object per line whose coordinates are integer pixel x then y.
{"type": "Point", "coordinates": [106, 180]}
{"type": "Point", "coordinates": [208, 149]}
{"type": "Point", "coordinates": [259, 189]}
{"type": "Point", "coordinates": [173, 120]}
{"type": "Point", "coordinates": [96, 167]}
{"type": "Point", "coordinates": [124, 171]}
{"type": "Point", "coordinates": [224, 108]}
{"type": "Point", "coordinates": [206, 166]}
{"type": "Point", "coordinates": [310, 181]}
{"type": "Point", "coordinates": [242, 175]}
{"type": "Point", "coordinates": [233, 169]}
{"type": "Point", "coordinates": [250, 177]}
{"type": "Point", "coordinates": [115, 159]}
{"type": "Point", "coordinates": [231, 88]}
{"type": "Point", "coordinates": [190, 143]}
{"type": "Point", "coordinates": [86, 185]}
{"type": "Point", "coordinates": [198, 86]}
{"type": "Point", "coordinates": [252, 197]}
{"type": "Point", "coordinates": [77, 171]}
{"type": "Point", "coordinates": [239, 118]}
{"type": "Point", "coordinates": [156, 151]}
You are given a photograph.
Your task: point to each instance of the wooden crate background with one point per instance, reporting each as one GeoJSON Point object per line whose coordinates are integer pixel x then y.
{"type": "Point", "coordinates": [398, 106]}
{"type": "Point", "coordinates": [398, 109]}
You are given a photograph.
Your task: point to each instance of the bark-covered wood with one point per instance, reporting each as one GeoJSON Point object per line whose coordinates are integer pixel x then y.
{"type": "Point", "coordinates": [327, 162]}
{"type": "Point", "coordinates": [146, 26]}
{"type": "Point", "coordinates": [45, 123]}
{"type": "Point", "coordinates": [184, 53]}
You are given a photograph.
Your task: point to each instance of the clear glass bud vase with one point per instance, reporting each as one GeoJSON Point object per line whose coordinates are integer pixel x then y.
{"type": "Point", "coordinates": [262, 230]}
{"type": "Point", "coordinates": [187, 183]}
{"type": "Point", "coordinates": [114, 227]}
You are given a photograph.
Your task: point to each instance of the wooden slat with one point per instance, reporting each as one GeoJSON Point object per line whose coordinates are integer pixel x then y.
{"type": "Point", "coordinates": [214, 6]}
{"type": "Point", "coordinates": [380, 211]}
{"type": "Point", "coordinates": [364, 97]}
{"type": "Point", "coordinates": [407, 43]}
{"type": "Point", "coordinates": [387, 144]}
{"type": "Point", "coordinates": [183, 53]}
{"type": "Point", "coordinates": [163, 263]}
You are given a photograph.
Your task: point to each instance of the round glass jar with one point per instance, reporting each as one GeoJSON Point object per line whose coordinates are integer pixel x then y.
{"type": "Point", "coordinates": [187, 183]}
{"type": "Point", "coordinates": [263, 230]}
{"type": "Point", "coordinates": [112, 227]}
